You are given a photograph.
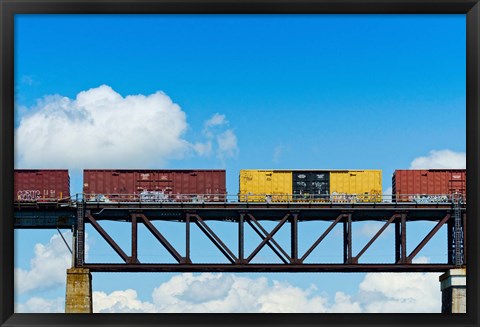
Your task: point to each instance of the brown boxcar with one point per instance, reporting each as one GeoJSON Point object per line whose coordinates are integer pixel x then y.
{"type": "Point", "coordinates": [41, 185]}
{"type": "Point", "coordinates": [154, 185]}
{"type": "Point", "coordinates": [432, 185]}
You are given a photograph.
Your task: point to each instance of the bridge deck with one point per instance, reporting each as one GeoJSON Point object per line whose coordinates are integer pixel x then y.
{"type": "Point", "coordinates": [63, 215]}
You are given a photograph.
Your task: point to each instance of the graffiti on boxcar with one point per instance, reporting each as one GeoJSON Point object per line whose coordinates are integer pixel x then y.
{"type": "Point", "coordinates": [28, 195]}
{"type": "Point", "coordinates": [343, 197]}
{"type": "Point", "coordinates": [153, 196]}
{"type": "Point", "coordinates": [429, 198]}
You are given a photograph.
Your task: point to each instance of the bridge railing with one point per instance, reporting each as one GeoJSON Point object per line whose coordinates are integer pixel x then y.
{"type": "Point", "coordinates": [159, 197]}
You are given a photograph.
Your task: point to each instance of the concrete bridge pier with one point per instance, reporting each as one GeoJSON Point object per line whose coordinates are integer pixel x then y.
{"type": "Point", "coordinates": [79, 291]}
{"type": "Point", "coordinates": [453, 284]}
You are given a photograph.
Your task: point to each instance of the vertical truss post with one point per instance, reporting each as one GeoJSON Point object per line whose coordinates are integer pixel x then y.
{"type": "Point", "coordinates": [401, 239]}
{"type": "Point", "coordinates": [187, 238]}
{"type": "Point", "coordinates": [133, 257]}
{"type": "Point", "coordinates": [74, 247]}
{"type": "Point", "coordinates": [294, 237]}
{"type": "Point", "coordinates": [398, 236]}
{"type": "Point", "coordinates": [347, 239]}
{"type": "Point", "coordinates": [241, 238]}
{"type": "Point", "coordinates": [451, 241]}
{"type": "Point", "coordinates": [404, 238]}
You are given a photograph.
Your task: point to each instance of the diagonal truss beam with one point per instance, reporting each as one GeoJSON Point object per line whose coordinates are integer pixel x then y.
{"type": "Point", "coordinates": [427, 238]}
{"type": "Point", "coordinates": [148, 224]}
{"type": "Point", "coordinates": [320, 239]}
{"type": "Point", "coordinates": [263, 236]}
{"type": "Point", "coordinates": [268, 237]}
{"type": "Point", "coordinates": [380, 231]}
{"type": "Point", "coordinates": [285, 258]}
{"type": "Point", "coordinates": [107, 238]}
{"type": "Point", "coordinates": [215, 239]}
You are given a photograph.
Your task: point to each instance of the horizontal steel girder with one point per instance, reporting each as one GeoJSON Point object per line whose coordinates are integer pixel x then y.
{"type": "Point", "coordinates": [298, 268]}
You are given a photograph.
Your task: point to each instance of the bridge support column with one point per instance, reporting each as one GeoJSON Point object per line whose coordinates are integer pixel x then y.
{"type": "Point", "coordinates": [454, 292]}
{"type": "Point", "coordinates": [78, 297]}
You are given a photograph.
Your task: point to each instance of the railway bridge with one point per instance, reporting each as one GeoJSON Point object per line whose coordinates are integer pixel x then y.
{"type": "Point", "coordinates": [285, 215]}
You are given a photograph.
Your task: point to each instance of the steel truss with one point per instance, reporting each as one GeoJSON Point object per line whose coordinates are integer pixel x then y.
{"type": "Point", "coordinates": [292, 260]}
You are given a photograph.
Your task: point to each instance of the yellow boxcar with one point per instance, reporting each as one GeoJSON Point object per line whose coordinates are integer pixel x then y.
{"type": "Point", "coordinates": [265, 185]}
{"type": "Point", "coordinates": [356, 185]}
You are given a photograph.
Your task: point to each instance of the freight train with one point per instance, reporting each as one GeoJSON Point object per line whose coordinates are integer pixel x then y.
{"type": "Point", "coordinates": [174, 185]}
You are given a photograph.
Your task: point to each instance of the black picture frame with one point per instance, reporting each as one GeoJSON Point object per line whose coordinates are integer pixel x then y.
{"type": "Point", "coordinates": [8, 8]}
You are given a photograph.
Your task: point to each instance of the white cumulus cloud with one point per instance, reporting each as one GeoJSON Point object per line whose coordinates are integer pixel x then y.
{"type": "Point", "coordinates": [215, 293]}
{"type": "Point", "coordinates": [41, 305]}
{"type": "Point", "coordinates": [101, 128]}
{"type": "Point", "coordinates": [47, 267]}
{"type": "Point", "coordinates": [220, 293]}
{"type": "Point", "coordinates": [441, 159]}
{"type": "Point", "coordinates": [400, 293]}
{"type": "Point", "coordinates": [120, 301]}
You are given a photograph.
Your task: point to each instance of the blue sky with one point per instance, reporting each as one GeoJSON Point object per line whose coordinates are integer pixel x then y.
{"type": "Point", "coordinates": [288, 92]}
